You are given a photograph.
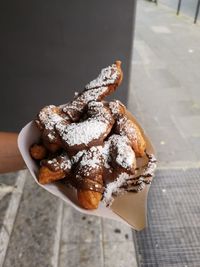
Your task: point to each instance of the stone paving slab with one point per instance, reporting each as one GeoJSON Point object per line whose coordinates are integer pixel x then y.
{"type": "Point", "coordinates": [92, 241]}
{"type": "Point", "coordinates": [115, 231]}
{"type": "Point", "coordinates": [79, 228]}
{"type": "Point", "coordinates": [165, 97]}
{"type": "Point", "coordinates": [47, 232]}
{"type": "Point", "coordinates": [85, 254]}
{"type": "Point", "coordinates": [7, 184]}
{"type": "Point", "coordinates": [32, 238]}
{"type": "Point", "coordinates": [163, 85]}
{"type": "Point", "coordinates": [119, 254]}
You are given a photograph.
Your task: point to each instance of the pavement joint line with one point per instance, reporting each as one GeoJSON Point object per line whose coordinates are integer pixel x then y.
{"type": "Point", "coordinates": [10, 215]}
{"type": "Point", "coordinates": [175, 123]}
{"type": "Point", "coordinates": [57, 240]}
{"type": "Point", "coordinates": [4, 190]}
{"type": "Point", "coordinates": [122, 244]}
{"type": "Point", "coordinates": [178, 165]}
{"type": "Point", "coordinates": [102, 243]}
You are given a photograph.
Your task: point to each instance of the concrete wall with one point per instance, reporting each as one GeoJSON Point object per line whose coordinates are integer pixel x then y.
{"type": "Point", "coordinates": [49, 49]}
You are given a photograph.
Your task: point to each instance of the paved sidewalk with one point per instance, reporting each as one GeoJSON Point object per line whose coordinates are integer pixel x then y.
{"type": "Point", "coordinates": [165, 97]}
{"type": "Point", "coordinates": [164, 88]}
{"type": "Point", "coordinates": [188, 7]}
{"type": "Point", "coordinates": [36, 229]}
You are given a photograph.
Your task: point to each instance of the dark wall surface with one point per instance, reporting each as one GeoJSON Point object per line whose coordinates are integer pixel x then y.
{"type": "Point", "coordinates": [49, 49]}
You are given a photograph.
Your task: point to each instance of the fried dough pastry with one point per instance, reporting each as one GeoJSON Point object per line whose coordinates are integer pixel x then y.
{"type": "Point", "coordinates": [46, 175]}
{"type": "Point", "coordinates": [93, 144]}
{"type": "Point", "coordinates": [88, 177]}
{"type": "Point", "coordinates": [48, 117]}
{"type": "Point", "coordinates": [126, 127]}
{"type": "Point", "coordinates": [105, 84]}
{"type": "Point", "coordinates": [89, 199]}
{"type": "Point", "coordinates": [121, 153]}
{"type": "Point", "coordinates": [89, 132]}
{"type": "Point", "coordinates": [54, 169]}
{"type": "Point", "coordinates": [38, 151]}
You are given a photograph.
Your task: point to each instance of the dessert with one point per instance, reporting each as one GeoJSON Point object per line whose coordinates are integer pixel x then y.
{"type": "Point", "coordinates": [92, 144]}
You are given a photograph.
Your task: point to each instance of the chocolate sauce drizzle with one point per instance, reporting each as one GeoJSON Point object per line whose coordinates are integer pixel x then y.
{"type": "Point", "coordinates": [137, 183]}
{"type": "Point", "coordinates": [130, 183]}
{"type": "Point", "coordinates": [87, 184]}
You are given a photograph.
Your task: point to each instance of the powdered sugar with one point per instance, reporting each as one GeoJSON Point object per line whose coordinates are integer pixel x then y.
{"type": "Point", "coordinates": [54, 164]}
{"type": "Point", "coordinates": [61, 162]}
{"type": "Point", "coordinates": [82, 100]}
{"type": "Point", "coordinates": [126, 127]}
{"type": "Point", "coordinates": [51, 135]}
{"type": "Point", "coordinates": [93, 157]}
{"type": "Point", "coordinates": [106, 154]}
{"type": "Point", "coordinates": [95, 127]}
{"type": "Point", "coordinates": [115, 107]}
{"type": "Point", "coordinates": [94, 91]}
{"type": "Point", "coordinates": [65, 162]}
{"type": "Point", "coordinates": [81, 133]}
{"type": "Point", "coordinates": [94, 94]}
{"type": "Point", "coordinates": [114, 188]}
{"type": "Point", "coordinates": [107, 76]}
{"type": "Point", "coordinates": [125, 156]}
{"type": "Point", "coordinates": [48, 117]}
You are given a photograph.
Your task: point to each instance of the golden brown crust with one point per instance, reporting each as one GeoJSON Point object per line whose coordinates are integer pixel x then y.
{"type": "Point", "coordinates": [48, 176]}
{"type": "Point", "coordinates": [139, 145]}
{"type": "Point", "coordinates": [38, 152]}
{"type": "Point", "coordinates": [127, 127]}
{"type": "Point", "coordinates": [120, 76]}
{"type": "Point", "coordinates": [89, 199]}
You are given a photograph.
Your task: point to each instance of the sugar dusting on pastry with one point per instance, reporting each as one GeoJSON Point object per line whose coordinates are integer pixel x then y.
{"type": "Point", "coordinates": [124, 155]}
{"type": "Point", "coordinates": [61, 162]}
{"type": "Point", "coordinates": [83, 99]}
{"type": "Point", "coordinates": [81, 133]}
{"type": "Point", "coordinates": [126, 127]}
{"type": "Point", "coordinates": [96, 126]}
{"type": "Point", "coordinates": [107, 76]}
{"type": "Point", "coordinates": [101, 141]}
{"type": "Point", "coordinates": [114, 188]}
{"type": "Point", "coordinates": [49, 117]}
{"type": "Point", "coordinates": [96, 90]}
{"type": "Point", "coordinates": [91, 159]}
{"type": "Point", "coordinates": [116, 106]}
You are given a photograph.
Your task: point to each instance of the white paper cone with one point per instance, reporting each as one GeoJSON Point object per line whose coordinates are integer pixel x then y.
{"type": "Point", "coordinates": [129, 208]}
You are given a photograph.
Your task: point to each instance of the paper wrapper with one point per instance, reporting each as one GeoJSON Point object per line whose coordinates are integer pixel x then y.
{"type": "Point", "coordinates": [130, 208]}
